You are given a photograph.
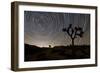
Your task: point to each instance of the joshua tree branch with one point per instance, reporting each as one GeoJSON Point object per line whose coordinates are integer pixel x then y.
{"type": "Point", "coordinates": [73, 32]}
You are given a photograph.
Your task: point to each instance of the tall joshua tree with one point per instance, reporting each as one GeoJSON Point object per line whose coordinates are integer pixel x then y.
{"type": "Point", "coordinates": [73, 32]}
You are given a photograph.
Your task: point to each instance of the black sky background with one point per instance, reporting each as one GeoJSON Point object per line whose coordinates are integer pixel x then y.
{"type": "Point", "coordinates": [45, 28]}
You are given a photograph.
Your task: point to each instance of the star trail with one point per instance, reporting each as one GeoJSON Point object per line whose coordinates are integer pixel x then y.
{"type": "Point", "coordinates": [45, 28]}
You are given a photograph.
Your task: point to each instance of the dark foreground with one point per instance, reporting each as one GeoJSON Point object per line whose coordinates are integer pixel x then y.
{"type": "Point", "coordinates": [34, 53]}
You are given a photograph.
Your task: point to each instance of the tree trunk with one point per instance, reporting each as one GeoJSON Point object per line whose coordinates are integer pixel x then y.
{"type": "Point", "coordinates": [72, 41]}
{"type": "Point", "coordinates": [73, 50]}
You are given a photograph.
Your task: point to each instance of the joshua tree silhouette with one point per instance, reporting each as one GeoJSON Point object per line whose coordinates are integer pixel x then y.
{"type": "Point", "coordinates": [73, 32]}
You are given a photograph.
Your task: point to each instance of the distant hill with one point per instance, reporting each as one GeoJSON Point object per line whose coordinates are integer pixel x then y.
{"type": "Point", "coordinates": [35, 53]}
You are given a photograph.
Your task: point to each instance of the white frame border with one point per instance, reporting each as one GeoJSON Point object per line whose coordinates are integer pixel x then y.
{"type": "Point", "coordinates": [35, 64]}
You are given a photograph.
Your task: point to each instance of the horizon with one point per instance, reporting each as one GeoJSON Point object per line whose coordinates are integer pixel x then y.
{"type": "Point", "coordinates": [53, 46]}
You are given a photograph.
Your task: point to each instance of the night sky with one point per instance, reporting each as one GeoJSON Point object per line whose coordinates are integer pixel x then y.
{"type": "Point", "coordinates": [45, 28]}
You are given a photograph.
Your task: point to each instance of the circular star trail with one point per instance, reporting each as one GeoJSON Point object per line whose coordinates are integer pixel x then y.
{"type": "Point", "coordinates": [45, 28]}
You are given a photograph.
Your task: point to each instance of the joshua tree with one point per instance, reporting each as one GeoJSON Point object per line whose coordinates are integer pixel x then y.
{"type": "Point", "coordinates": [73, 32]}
